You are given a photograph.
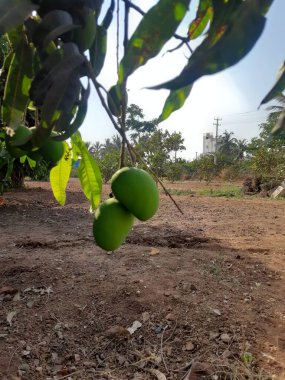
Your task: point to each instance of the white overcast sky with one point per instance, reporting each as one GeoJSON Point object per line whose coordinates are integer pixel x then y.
{"type": "Point", "coordinates": [233, 95]}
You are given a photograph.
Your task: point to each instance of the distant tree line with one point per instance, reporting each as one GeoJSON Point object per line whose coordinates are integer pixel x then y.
{"type": "Point", "coordinates": [262, 157]}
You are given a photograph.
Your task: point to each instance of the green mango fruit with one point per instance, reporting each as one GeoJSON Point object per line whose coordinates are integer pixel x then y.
{"type": "Point", "coordinates": [15, 151]}
{"type": "Point", "coordinates": [84, 36]}
{"type": "Point", "coordinates": [115, 100]}
{"type": "Point", "coordinates": [52, 150]}
{"type": "Point", "coordinates": [35, 155]}
{"type": "Point", "coordinates": [137, 191]}
{"type": "Point", "coordinates": [21, 136]}
{"type": "Point", "coordinates": [111, 225]}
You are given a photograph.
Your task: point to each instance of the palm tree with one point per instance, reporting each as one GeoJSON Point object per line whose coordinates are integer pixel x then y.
{"type": "Point", "coordinates": [227, 143]}
{"type": "Point", "coordinates": [241, 148]}
{"type": "Point", "coordinates": [279, 112]}
{"type": "Point", "coordinates": [278, 108]}
{"type": "Point", "coordinates": [95, 149]}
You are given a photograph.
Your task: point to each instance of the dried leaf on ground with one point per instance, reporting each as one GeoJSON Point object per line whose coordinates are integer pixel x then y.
{"type": "Point", "coordinates": [10, 316]}
{"type": "Point", "coordinates": [118, 332]}
{"type": "Point", "coordinates": [198, 371]}
{"type": "Point", "coordinates": [159, 375]}
{"type": "Point", "coordinates": [189, 346]}
{"type": "Point", "coordinates": [217, 312]}
{"type": "Point", "coordinates": [225, 338]}
{"type": "Point", "coordinates": [139, 376]}
{"type": "Point", "coordinates": [154, 251]}
{"type": "Point", "coordinates": [16, 297]}
{"type": "Point", "coordinates": [145, 316]}
{"type": "Point", "coordinates": [135, 326]}
{"type": "Point", "coordinates": [8, 290]}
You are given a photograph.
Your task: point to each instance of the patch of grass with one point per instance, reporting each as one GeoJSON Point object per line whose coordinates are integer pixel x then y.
{"type": "Point", "coordinates": [225, 191]}
{"type": "Point", "coordinates": [181, 192]}
{"type": "Point", "coordinates": [229, 192]}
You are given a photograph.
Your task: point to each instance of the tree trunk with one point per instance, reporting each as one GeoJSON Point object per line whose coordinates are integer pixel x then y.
{"type": "Point", "coordinates": [17, 176]}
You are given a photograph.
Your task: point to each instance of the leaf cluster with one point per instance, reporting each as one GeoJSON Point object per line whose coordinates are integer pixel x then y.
{"type": "Point", "coordinates": [53, 49]}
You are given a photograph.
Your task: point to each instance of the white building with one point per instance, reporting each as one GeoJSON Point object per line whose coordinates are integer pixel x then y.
{"type": "Point", "coordinates": [209, 143]}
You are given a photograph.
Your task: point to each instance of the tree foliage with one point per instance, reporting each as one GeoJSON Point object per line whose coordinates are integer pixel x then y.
{"type": "Point", "coordinates": [56, 48]}
{"type": "Point", "coordinates": [159, 148]}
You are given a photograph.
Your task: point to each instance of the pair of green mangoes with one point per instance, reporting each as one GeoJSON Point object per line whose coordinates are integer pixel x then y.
{"type": "Point", "coordinates": [135, 195]}
{"type": "Point", "coordinates": [50, 150]}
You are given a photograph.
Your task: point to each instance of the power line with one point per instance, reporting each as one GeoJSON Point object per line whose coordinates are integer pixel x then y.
{"type": "Point", "coordinates": [245, 112]}
{"type": "Point", "coordinates": [217, 125]}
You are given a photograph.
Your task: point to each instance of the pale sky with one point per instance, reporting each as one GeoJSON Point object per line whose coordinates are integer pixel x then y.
{"type": "Point", "coordinates": [233, 95]}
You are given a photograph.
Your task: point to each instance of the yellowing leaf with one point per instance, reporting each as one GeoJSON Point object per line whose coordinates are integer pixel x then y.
{"type": "Point", "coordinates": [59, 176]}
{"type": "Point", "coordinates": [89, 172]}
{"type": "Point", "coordinates": [203, 17]}
{"type": "Point", "coordinates": [174, 101]}
{"type": "Point", "coordinates": [154, 30]}
{"type": "Point", "coordinates": [235, 28]}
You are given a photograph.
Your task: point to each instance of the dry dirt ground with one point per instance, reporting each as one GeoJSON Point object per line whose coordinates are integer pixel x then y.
{"type": "Point", "coordinates": [207, 288]}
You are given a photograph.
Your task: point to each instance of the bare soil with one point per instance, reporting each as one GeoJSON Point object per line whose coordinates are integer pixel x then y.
{"type": "Point", "coordinates": [207, 287]}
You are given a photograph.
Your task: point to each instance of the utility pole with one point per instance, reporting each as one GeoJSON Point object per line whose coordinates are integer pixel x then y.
{"type": "Point", "coordinates": [196, 155]}
{"type": "Point", "coordinates": [217, 125]}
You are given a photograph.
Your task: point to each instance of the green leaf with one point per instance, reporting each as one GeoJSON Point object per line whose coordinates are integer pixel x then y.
{"type": "Point", "coordinates": [69, 103]}
{"type": "Point", "coordinates": [60, 63]}
{"type": "Point", "coordinates": [280, 125]}
{"type": "Point", "coordinates": [16, 94]}
{"type": "Point", "coordinates": [79, 118]}
{"type": "Point", "coordinates": [63, 84]}
{"type": "Point", "coordinates": [59, 176]}
{"type": "Point", "coordinates": [53, 25]}
{"type": "Point", "coordinates": [84, 36]}
{"type": "Point", "coordinates": [109, 16]}
{"type": "Point", "coordinates": [32, 163]}
{"type": "Point", "coordinates": [278, 87]}
{"type": "Point", "coordinates": [98, 50]}
{"type": "Point", "coordinates": [23, 159]}
{"type": "Point", "coordinates": [10, 168]}
{"type": "Point", "coordinates": [203, 17]}
{"type": "Point", "coordinates": [14, 12]}
{"type": "Point", "coordinates": [43, 79]}
{"type": "Point", "coordinates": [154, 30]}
{"type": "Point", "coordinates": [226, 44]}
{"type": "Point", "coordinates": [89, 172]}
{"type": "Point", "coordinates": [174, 101]}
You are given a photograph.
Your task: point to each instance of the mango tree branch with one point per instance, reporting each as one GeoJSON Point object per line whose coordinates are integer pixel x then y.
{"type": "Point", "coordinates": [122, 133]}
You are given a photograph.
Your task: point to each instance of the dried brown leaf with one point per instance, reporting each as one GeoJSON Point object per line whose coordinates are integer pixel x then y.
{"type": "Point", "coordinates": [10, 316]}
{"type": "Point", "coordinates": [159, 375]}
{"type": "Point", "coordinates": [8, 290]}
{"type": "Point", "coordinates": [118, 332]}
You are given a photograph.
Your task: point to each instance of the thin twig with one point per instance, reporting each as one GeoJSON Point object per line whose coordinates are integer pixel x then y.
{"type": "Point", "coordinates": [122, 153]}
{"type": "Point", "coordinates": [135, 7]}
{"type": "Point", "coordinates": [173, 49]}
{"type": "Point", "coordinates": [70, 374]}
{"type": "Point", "coordinates": [123, 134]}
{"type": "Point", "coordinates": [178, 47]}
{"type": "Point", "coordinates": [122, 119]}
{"type": "Point", "coordinates": [148, 359]}
{"type": "Point", "coordinates": [126, 27]}
{"type": "Point", "coordinates": [171, 335]}
{"type": "Point", "coordinates": [118, 35]}
{"type": "Point", "coordinates": [10, 360]}
{"type": "Point", "coordinates": [161, 350]}
{"type": "Point", "coordinates": [187, 375]}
